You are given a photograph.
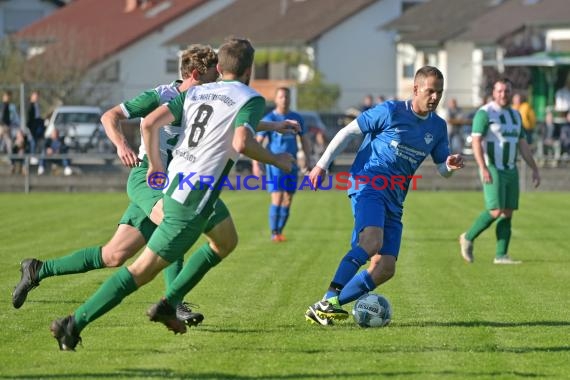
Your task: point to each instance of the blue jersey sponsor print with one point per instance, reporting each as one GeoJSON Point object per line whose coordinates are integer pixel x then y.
{"type": "Point", "coordinates": [396, 142]}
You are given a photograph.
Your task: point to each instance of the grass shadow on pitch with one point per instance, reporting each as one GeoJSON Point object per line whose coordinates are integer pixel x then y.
{"type": "Point", "coordinates": [155, 373]}
{"type": "Point", "coordinates": [482, 324]}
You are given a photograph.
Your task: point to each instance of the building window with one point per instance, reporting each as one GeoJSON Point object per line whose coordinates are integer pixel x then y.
{"type": "Point", "coordinates": [262, 71]}
{"type": "Point", "coordinates": [560, 45]}
{"type": "Point", "coordinates": [408, 70]}
{"type": "Point", "coordinates": [111, 72]}
{"type": "Point", "coordinates": [406, 5]}
{"type": "Point", "coordinates": [172, 66]}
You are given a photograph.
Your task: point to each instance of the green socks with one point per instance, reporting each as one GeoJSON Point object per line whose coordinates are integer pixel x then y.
{"type": "Point", "coordinates": [109, 295]}
{"type": "Point", "coordinates": [199, 263]}
{"type": "Point", "coordinates": [171, 271]}
{"type": "Point", "coordinates": [481, 224]}
{"type": "Point", "coordinates": [503, 232]}
{"type": "Point", "coordinates": [84, 260]}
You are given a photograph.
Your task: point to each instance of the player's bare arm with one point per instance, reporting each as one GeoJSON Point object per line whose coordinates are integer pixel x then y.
{"type": "Point", "coordinates": [111, 121]}
{"type": "Point", "coordinates": [284, 127]}
{"type": "Point", "coordinates": [480, 159]}
{"type": "Point", "coordinates": [245, 143]}
{"type": "Point", "coordinates": [256, 166]}
{"type": "Point", "coordinates": [316, 176]}
{"type": "Point", "coordinates": [150, 128]}
{"type": "Point", "coordinates": [307, 148]}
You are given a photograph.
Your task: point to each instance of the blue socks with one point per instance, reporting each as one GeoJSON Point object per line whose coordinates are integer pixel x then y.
{"type": "Point", "coordinates": [359, 285]}
{"type": "Point", "coordinates": [273, 218]}
{"type": "Point", "coordinates": [349, 265]}
{"type": "Point", "coordinates": [283, 216]}
{"type": "Point", "coordinates": [277, 218]}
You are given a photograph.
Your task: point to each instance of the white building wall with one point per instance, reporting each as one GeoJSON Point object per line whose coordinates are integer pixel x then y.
{"type": "Point", "coordinates": [359, 57]}
{"type": "Point", "coordinates": [143, 64]}
{"type": "Point", "coordinates": [557, 35]}
{"type": "Point", "coordinates": [458, 70]}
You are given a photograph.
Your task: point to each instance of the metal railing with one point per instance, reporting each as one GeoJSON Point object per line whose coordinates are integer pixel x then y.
{"type": "Point", "coordinates": [30, 159]}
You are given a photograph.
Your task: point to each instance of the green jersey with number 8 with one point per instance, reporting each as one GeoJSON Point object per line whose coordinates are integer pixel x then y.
{"type": "Point", "coordinates": [204, 153]}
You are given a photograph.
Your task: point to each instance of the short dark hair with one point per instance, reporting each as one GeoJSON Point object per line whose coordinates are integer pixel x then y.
{"type": "Point", "coordinates": [236, 56]}
{"type": "Point", "coordinates": [504, 80]}
{"type": "Point", "coordinates": [282, 88]}
{"type": "Point", "coordinates": [428, 71]}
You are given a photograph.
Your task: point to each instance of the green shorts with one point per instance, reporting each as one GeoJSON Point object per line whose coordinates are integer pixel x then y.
{"type": "Point", "coordinates": [139, 191]}
{"type": "Point", "coordinates": [503, 193]}
{"type": "Point", "coordinates": [134, 216]}
{"type": "Point", "coordinates": [179, 230]}
{"type": "Point", "coordinates": [220, 213]}
{"type": "Point", "coordinates": [143, 198]}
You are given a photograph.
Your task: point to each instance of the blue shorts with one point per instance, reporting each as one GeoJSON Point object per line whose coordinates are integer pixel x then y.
{"type": "Point", "coordinates": [370, 210]}
{"type": "Point", "coordinates": [278, 180]}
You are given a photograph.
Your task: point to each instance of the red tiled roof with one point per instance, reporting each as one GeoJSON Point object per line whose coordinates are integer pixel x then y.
{"type": "Point", "coordinates": [513, 15]}
{"type": "Point", "coordinates": [479, 21]}
{"type": "Point", "coordinates": [434, 22]}
{"type": "Point", "coordinates": [102, 27]}
{"type": "Point", "coordinates": [272, 22]}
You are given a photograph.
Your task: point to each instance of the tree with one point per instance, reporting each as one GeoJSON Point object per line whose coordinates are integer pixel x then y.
{"type": "Point", "coordinates": [318, 95]}
{"type": "Point", "coordinates": [56, 64]}
{"type": "Point", "coordinates": [12, 63]}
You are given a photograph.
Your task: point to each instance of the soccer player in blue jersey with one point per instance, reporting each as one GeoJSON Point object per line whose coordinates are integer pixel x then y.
{"type": "Point", "coordinates": [282, 185]}
{"type": "Point", "coordinates": [398, 136]}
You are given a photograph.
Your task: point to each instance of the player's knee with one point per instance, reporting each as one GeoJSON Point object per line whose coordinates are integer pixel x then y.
{"type": "Point", "coordinates": [114, 257]}
{"type": "Point", "coordinates": [371, 245]}
{"type": "Point", "coordinates": [226, 246]}
{"type": "Point", "coordinates": [495, 213]}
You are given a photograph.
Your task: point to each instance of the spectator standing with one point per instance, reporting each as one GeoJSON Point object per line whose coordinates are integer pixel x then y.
{"type": "Point", "coordinates": [9, 121]}
{"type": "Point", "coordinates": [528, 116]}
{"type": "Point", "coordinates": [35, 123]}
{"type": "Point", "coordinates": [562, 102]}
{"type": "Point", "coordinates": [457, 120]}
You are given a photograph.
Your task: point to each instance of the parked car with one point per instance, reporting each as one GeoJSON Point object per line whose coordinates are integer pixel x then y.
{"type": "Point", "coordinates": [80, 127]}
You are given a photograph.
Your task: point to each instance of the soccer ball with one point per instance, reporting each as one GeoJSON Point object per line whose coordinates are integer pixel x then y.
{"type": "Point", "coordinates": [372, 310]}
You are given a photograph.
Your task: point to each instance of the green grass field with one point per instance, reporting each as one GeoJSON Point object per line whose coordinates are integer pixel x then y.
{"type": "Point", "coordinates": [451, 320]}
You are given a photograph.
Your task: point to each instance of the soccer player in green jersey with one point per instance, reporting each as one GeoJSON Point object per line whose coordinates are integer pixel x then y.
{"type": "Point", "coordinates": [498, 136]}
{"type": "Point", "coordinates": [217, 121]}
{"type": "Point", "coordinates": [197, 65]}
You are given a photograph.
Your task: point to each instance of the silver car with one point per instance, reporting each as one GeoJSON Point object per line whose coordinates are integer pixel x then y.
{"type": "Point", "coordinates": [80, 127]}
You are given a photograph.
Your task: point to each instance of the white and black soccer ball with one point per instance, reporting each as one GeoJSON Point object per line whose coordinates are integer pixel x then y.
{"type": "Point", "coordinates": [372, 310]}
